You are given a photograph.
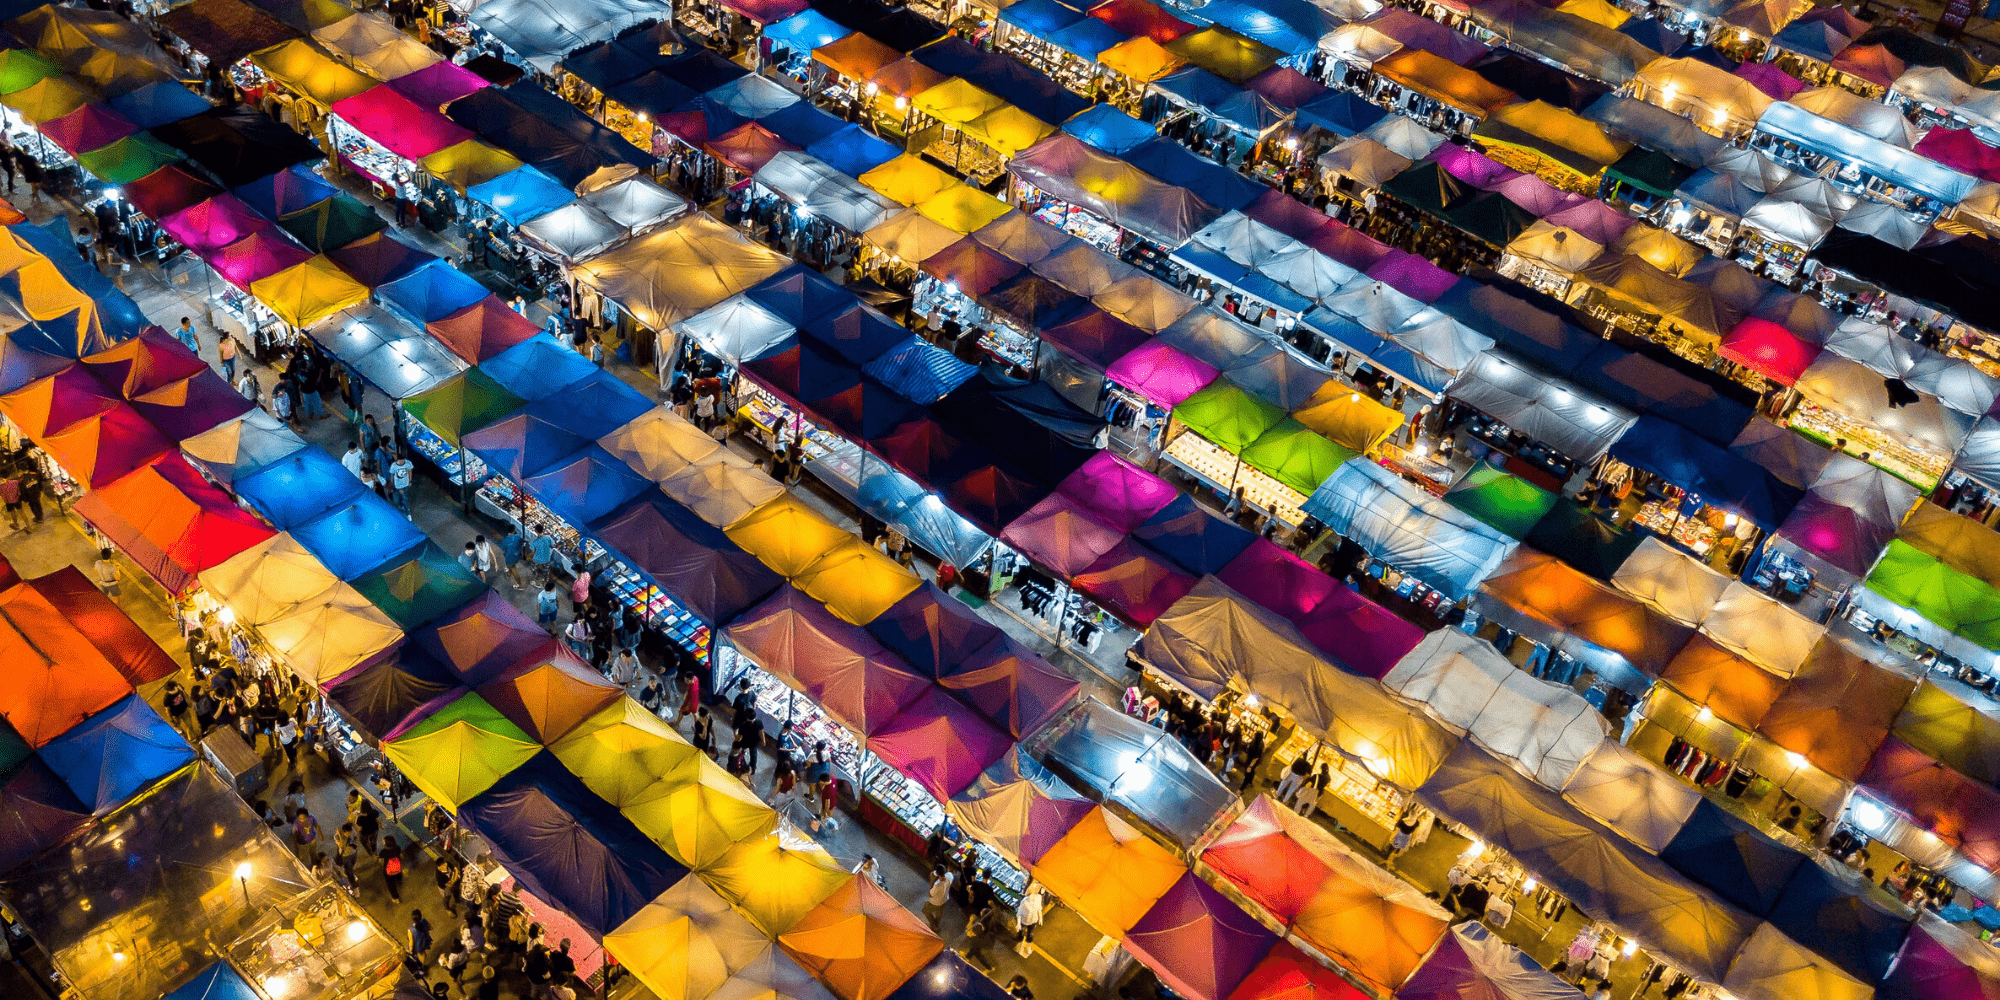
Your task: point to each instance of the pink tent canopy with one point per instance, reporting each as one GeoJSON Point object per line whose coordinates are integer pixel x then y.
{"type": "Point", "coordinates": [1199, 942]}
{"type": "Point", "coordinates": [438, 84]}
{"type": "Point", "coordinates": [940, 744]}
{"type": "Point", "coordinates": [1010, 685]}
{"type": "Point", "coordinates": [1349, 246]}
{"type": "Point", "coordinates": [1769, 349]}
{"type": "Point", "coordinates": [1962, 812]}
{"type": "Point", "coordinates": [1873, 63]}
{"type": "Point", "coordinates": [1962, 151]}
{"type": "Point", "coordinates": [214, 224]}
{"type": "Point", "coordinates": [1535, 195]}
{"type": "Point", "coordinates": [1136, 583]}
{"type": "Point", "coordinates": [1161, 374]}
{"type": "Point", "coordinates": [1774, 82]}
{"type": "Point", "coordinates": [1471, 166]}
{"type": "Point", "coordinates": [1363, 637]}
{"type": "Point", "coordinates": [1121, 494]}
{"type": "Point", "coordinates": [1286, 87]}
{"type": "Point", "coordinates": [1928, 970]}
{"type": "Point", "coordinates": [398, 124]}
{"type": "Point", "coordinates": [1837, 533]}
{"type": "Point", "coordinates": [766, 11]}
{"type": "Point", "coordinates": [860, 684]}
{"type": "Point", "coordinates": [1288, 215]}
{"type": "Point", "coordinates": [92, 126]}
{"type": "Point", "coordinates": [1412, 275]}
{"type": "Point", "coordinates": [1593, 220]}
{"type": "Point", "coordinates": [257, 256]}
{"type": "Point", "coordinates": [1277, 580]}
{"type": "Point", "coordinates": [1059, 534]}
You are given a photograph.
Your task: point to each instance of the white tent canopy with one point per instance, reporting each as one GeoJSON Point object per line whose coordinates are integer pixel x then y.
{"type": "Point", "coordinates": [637, 203]}
{"type": "Point", "coordinates": [1956, 382]}
{"type": "Point", "coordinates": [573, 232]}
{"type": "Point", "coordinates": [1364, 161]}
{"type": "Point", "coordinates": [1870, 118]}
{"type": "Point", "coordinates": [1402, 525]}
{"type": "Point", "coordinates": [820, 189]}
{"type": "Point", "coordinates": [1403, 136]}
{"type": "Point", "coordinates": [1376, 306]}
{"type": "Point", "coordinates": [1545, 730]}
{"type": "Point", "coordinates": [1793, 458]}
{"type": "Point", "coordinates": [1677, 584]}
{"type": "Point", "coordinates": [1440, 340]}
{"type": "Point", "coordinates": [1245, 240]}
{"type": "Point", "coordinates": [1853, 390]}
{"type": "Point", "coordinates": [1758, 628]}
{"type": "Point", "coordinates": [738, 329]}
{"type": "Point", "coordinates": [1980, 457]}
{"type": "Point", "coordinates": [1631, 795]}
{"type": "Point", "coordinates": [1549, 410]}
{"type": "Point", "coordinates": [543, 31]}
{"type": "Point", "coordinates": [1774, 967]}
{"type": "Point", "coordinates": [1788, 222]}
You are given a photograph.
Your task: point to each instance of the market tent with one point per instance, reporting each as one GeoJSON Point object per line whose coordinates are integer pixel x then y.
{"type": "Point", "coordinates": [776, 878]}
{"type": "Point", "coordinates": [1120, 192]}
{"type": "Point", "coordinates": [659, 443]}
{"type": "Point", "coordinates": [171, 521]}
{"type": "Point", "coordinates": [1136, 767]}
{"type": "Point", "coordinates": [462, 404]}
{"type": "Point", "coordinates": [1329, 897]}
{"type": "Point", "coordinates": [1955, 810]}
{"type": "Point", "coordinates": [586, 485]}
{"type": "Point", "coordinates": [549, 700]}
{"type": "Point", "coordinates": [625, 752]}
{"type": "Point", "coordinates": [1774, 966]}
{"type": "Point", "coordinates": [1575, 423]}
{"type": "Point", "coordinates": [460, 750]}
{"type": "Point", "coordinates": [907, 180]}
{"type": "Point", "coordinates": [838, 666]}
{"type": "Point", "coordinates": [699, 816]}
{"type": "Point", "coordinates": [1506, 502]}
{"type": "Point", "coordinates": [1194, 539]}
{"type": "Point", "coordinates": [481, 330]}
{"type": "Point", "coordinates": [1940, 960]}
{"type": "Point", "coordinates": [1946, 721]}
{"type": "Point", "coordinates": [1134, 582]}
{"type": "Point", "coordinates": [1587, 863]}
{"type": "Point", "coordinates": [1849, 514]}
{"type": "Point", "coordinates": [565, 845]}
{"type": "Point", "coordinates": [1678, 584]}
{"type": "Point", "coordinates": [1952, 600]}
{"type": "Point", "coordinates": [860, 941]}
{"type": "Point", "coordinates": [438, 84]}
{"type": "Point", "coordinates": [378, 259]}
{"type": "Point", "coordinates": [1732, 857]}
{"type": "Point", "coordinates": [113, 754]}
{"type": "Point", "coordinates": [1061, 534]}
{"type": "Point", "coordinates": [679, 269]}
{"type": "Point", "coordinates": [421, 588]}
{"type": "Point", "coordinates": [1201, 944]}
{"type": "Point", "coordinates": [856, 581]}
{"type": "Point", "coordinates": [1472, 961]}
{"type": "Point", "coordinates": [1734, 689]}
{"type": "Point", "coordinates": [1011, 686]}
{"type": "Point", "coordinates": [1769, 349]}
{"type": "Point", "coordinates": [722, 489]}
{"type": "Point", "coordinates": [304, 68]}
{"type": "Point", "coordinates": [635, 202]}
{"type": "Point", "coordinates": [1611, 633]}
{"type": "Point", "coordinates": [469, 164]}
{"type": "Point", "coordinates": [305, 293]}
{"type": "Point", "coordinates": [1162, 374]}
{"type": "Point", "coordinates": [1426, 537]}
{"type": "Point", "coordinates": [1109, 872]}
{"type": "Point", "coordinates": [685, 944]}
{"type": "Point", "coordinates": [1837, 708]}
{"type": "Point", "coordinates": [1019, 808]}
{"type": "Point", "coordinates": [542, 31]}
{"type": "Point", "coordinates": [1543, 729]}
{"type": "Point", "coordinates": [687, 558]}
{"type": "Point", "coordinates": [787, 535]}
{"type": "Point", "coordinates": [1631, 795]}
{"type": "Point", "coordinates": [1761, 629]}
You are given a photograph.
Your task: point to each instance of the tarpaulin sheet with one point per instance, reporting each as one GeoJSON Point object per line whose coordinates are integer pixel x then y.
{"type": "Point", "coordinates": [851, 676]}
{"type": "Point", "coordinates": [1544, 730]}
{"type": "Point", "coordinates": [1609, 631]}
{"type": "Point", "coordinates": [1136, 766]}
{"type": "Point", "coordinates": [543, 31]}
{"type": "Point", "coordinates": [1066, 168]}
{"type": "Point", "coordinates": [171, 521]}
{"type": "Point", "coordinates": [679, 269]}
{"type": "Point", "coordinates": [1419, 534]}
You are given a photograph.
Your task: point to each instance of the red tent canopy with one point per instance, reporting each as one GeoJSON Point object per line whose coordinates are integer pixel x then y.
{"type": "Point", "coordinates": [1287, 974]}
{"type": "Point", "coordinates": [974, 268]}
{"type": "Point", "coordinates": [1768, 349]}
{"type": "Point", "coordinates": [482, 329]}
{"type": "Point", "coordinates": [56, 677]}
{"type": "Point", "coordinates": [152, 360]}
{"type": "Point", "coordinates": [1962, 812]}
{"type": "Point", "coordinates": [168, 190]}
{"type": "Point", "coordinates": [131, 652]}
{"type": "Point", "coordinates": [171, 521]}
{"type": "Point", "coordinates": [1961, 150]}
{"type": "Point", "coordinates": [1140, 17]}
{"type": "Point", "coordinates": [748, 147]}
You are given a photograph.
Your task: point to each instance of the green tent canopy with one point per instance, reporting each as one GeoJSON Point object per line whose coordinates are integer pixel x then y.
{"type": "Point", "coordinates": [463, 404]}
{"type": "Point", "coordinates": [460, 750]}
{"type": "Point", "coordinates": [1651, 171]}
{"type": "Point", "coordinates": [1228, 416]}
{"type": "Point", "coordinates": [13, 749]}
{"type": "Point", "coordinates": [1590, 545]}
{"type": "Point", "coordinates": [1948, 598]}
{"type": "Point", "coordinates": [1296, 455]}
{"type": "Point", "coordinates": [128, 159]}
{"type": "Point", "coordinates": [422, 588]}
{"type": "Point", "coordinates": [333, 223]}
{"type": "Point", "coordinates": [21, 69]}
{"type": "Point", "coordinates": [1504, 501]}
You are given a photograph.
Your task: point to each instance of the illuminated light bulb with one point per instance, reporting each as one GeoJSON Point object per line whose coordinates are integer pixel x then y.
{"type": "Point", "coordinates": [1704, 715]}
{"type": "Point", "coordinates": [118, 956]}
{"type": "Point", "coordinates": [1530, 884]}
{"type": "Point", "coordinates": [243, 869]}
{"type": "Point", "coordinates": [226, 616]}
{"type": "Point", "coordinates": [1630, 948]}
{"type": "Point", "coordinates": [356, 931]}
{"type": "Point", "coordinates": [1795, 758]}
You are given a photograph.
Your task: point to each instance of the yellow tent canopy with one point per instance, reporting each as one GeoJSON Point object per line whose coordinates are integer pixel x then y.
{"type": "Point", "coordinates": [1556, 135]}
{"type": "Point", "coordinates": [787, 535]}
{"type": "Point", "coordinates": [309, 291]}
{"type": "Point", "coordinates": [907, 180]}
{"type": "Point", "coordinates": [469, 164]}
{"type": "Point", "coordinates": [772, 975]}
{"type": "Point", "coordinates": [1225, 53]}
{"type": "Point", "coordinates": [623, 751]}
{"type": "Point", "coordinates": [460, 751]}
{"type": "Point", "coordinates": [268, 580]}
{"type": "Point", "coordinates": [698, 821]}
{"type": "Point", "coordinates": [910, 236]}
{"type": "Point", "coordinates": [1596, 12]}
{"type": "Point", "coordinates": [1108, 872]}
{"type": "Point", "coordinates": [856, 582]}
{"type": "Point", "coordinates": [1714, 98]}
{"type": "Point", "coordinates": [1558, 248]}
{"type": "Point", "coordinates": [1008, 130]}
{"type": "Point", "coordinates": [1140, 58]}
{"type": "Point", "coordinates": [688, 942]}
{"type": "Point", "coordinates": [856, 56]}
{"type": "Point", "coordinates": [956, 101]}
{"type": "Point", "coordinates": [1661, 249]}
{"type": "Point", "coordinates": [304, 69]}
{"type": "Point", "coordinates": [776, 878]}
{"type": "Point", "coordinates": [1445, 81]}
{"type": "Point", "coordinates": [962, 209]}
{"type": "Point", "coordinates": [331, 634]}
{"type": "Point", "coordinates": [47, 99]}
{"type": "Point", "coordinates": [1348, 418]}
{"type": "Point", "coordinates": [861, 942]}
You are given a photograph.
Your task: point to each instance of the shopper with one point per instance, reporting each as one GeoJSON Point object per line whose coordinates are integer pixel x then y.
{"type": "Point", "coordinates": [401, 472]}
{"type": "Point", "coordinates": [391, 856]}
{"type": "Point", "coordinates": [225, 349]}
{"type": "Point", "coordinates": [487, 561]}
{"type": "Point", "coordinates": [107, 573]}
{"type": "Point", "coordinates": [420, 936]}
{"type": "Point", "coordinates": [185, 334]}
{"type": "Point", "coordinates": [352, 459]}
{"type": "Point", "coordinates": [512, 548]}
{"type": "Point", "coordinates": [10, 491]}
{"type": "Point", "coordinates": [305, 836]}
{"type": "Point", "coordinates": [346, 848]}
{"type": "Point", "coordinates": [542, 549]}
{"type": "Point", "coordinates": [934, 900]}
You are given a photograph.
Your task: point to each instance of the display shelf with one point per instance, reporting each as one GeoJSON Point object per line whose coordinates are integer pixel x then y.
{"type": "Point", "coordinates": [1225, 473]}
{"type": "Point", "coordinates": [657, 609]}
{"type": "Point", "coordinates": [527, 512]}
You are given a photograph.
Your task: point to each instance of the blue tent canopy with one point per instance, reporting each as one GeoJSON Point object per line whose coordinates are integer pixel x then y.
{"type": "Point", "coordinates": [805, 31]}
{"type": "Point", "coordinates": [286, 191]}
{"type": "Point", "coordinates": [1261, 287]}
{"type": "Point", "coordinates": [1105, 127]}
{"type": "Point", "coordinates": [1086, 38]}
{"type": "Point", "coordinates": [521, 194]}
{"type": "Point", "coordinates": [653, 93]}
{"type": "Point", "coordinates": [587, 485]}
{"type": "Point", "coordinates": [1341, 113]}
{"type": "Point", "coordinates": [1212, 263]}
{"type": "Point", "coordinates": [1041, 18]}
{"type": "Point", "coordinates": [1172, 163]}
{"type": "Point", "coordinates": [568, 846]}
{"type": "Point", "coordinates": [858, 333]}
{"type": "Point", "coordinates": [117, 315]}
{"type": "Point", "coordinates": [1842, 925]}
{"type": "Point", "coordinates": [1351, 336]}
{"type": "Point", "coordinates": [1192, 538]}
{"type": "Point", "coordinates": [537, 367]}
{"type": "Point", "coordinates": [686, 557]}
{"type": "Point", "coordinates": [1290, 26]}
{"type": "Point", "coordinates": [853, 150]}
{"type": "Point", "coordinates": [1411, 367]}
{"type": "Point", "coordinates": [802, 370]}
{"type": "Point", "coordinates": [523, 445]}
{"type": "Point", "coordinates": [161, 103]}
{"type": "Point", "coordinates": [1197, 87]}
{"type": "Point", "coordinates": [37, 812]}
{"type": "Point", "coordinates": [949, 977]}
{"type": "Point", "coordinates": [799, 295]}
{"type": "Point", "coordinates": [355, 539]}
{"type": "Point", "coordinates": [298, 488]}
{"type": "Point", "coordinates": [431, 293]}
{"type": "Point", "coordinates": [868, 409]}
{"type": "Point", "coordinates": [1716, 475]}
{"type": "Point", "coordinates": [110, 756]}
{"type": "Point", "coordinates": [219, 981]}
{"type": "Point", "coordinates": [592, 406]}
{"type": "Point", "coordinates": [919, 371]}
{"type": "Point", "coordinates": [801, 124]}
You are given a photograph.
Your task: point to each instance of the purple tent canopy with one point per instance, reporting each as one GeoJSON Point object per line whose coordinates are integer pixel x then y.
{"type": "Point", "coordinates": [1194, 539]}
{"type": "Point", "coordinates": [1059, 534]}
{"type": "Point", "coordinates": [932, 631]}
{"type": "Point", "coordinates": [1199, 942]}
{"type": "Point", "coordinates": [1011, 685]}
{"type": "Point", "coordinates": [840, 667]}
{"type": "Point", "coordinates": [386, 696]}
{"type": "Point", "coordinates": [1096, 336]}
{"type": "Point", "coordinates": [1277, 580]}
{"type": "Point", "coordinates": [1121, 494]}
{"type": "Point", "coordinates": [1535, 196]}
{"type": "Point", "coordinates": [1471, 166]}
{"type": "Point", "coordinates": [1774, 82]}
{"type": "Point", "coordinates": [37, 811]}
{"type": "Point", "coordinates": [482, 640]}
{"type": "Point", "coordinates": [1361, 636]}
{"type": "Point", "coordinates": [1135, 582]}
{"type": "Point", "coordinates": [1161, 374]}
{"type": "Point", "coordinates": [1593, 220]}
{"type": "Point", "coordinates": [1412, 275]}
{"type": "Point", "coordinates": [438, 84]}
{"type": "Point", "coordinates": [703, 570]}
{"type": "Point", "coordinates": [1471, 962]}
{"type": "Point", "coordinates": [940, 744]}
{"type": "Point", "coordinates": [1020, 807]}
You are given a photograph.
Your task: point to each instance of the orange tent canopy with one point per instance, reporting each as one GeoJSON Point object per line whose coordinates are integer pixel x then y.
{"type": "Point", "coordinates": [1108, 872]}
{"type": "Point", "coordinates": [549, 700]}
{"type": "Point", "coordinates": [1837, 709]}
{"type": "Point", "coordinates": [856, 56]}
{"type": "Point", "coordinates": [55, 676]}
{"type": "Point", "coordinates": [860, 942]}
{"type": "Point", "coordinates": [1447, 81]}
{"type": "Point", "coordinates": [1737, 691]}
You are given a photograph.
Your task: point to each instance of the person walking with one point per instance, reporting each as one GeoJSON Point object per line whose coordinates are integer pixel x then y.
{"type": "Point", "coordinates": [1028, 916]}
{"type": "Point", "coordinates": [448, 877]}
{"type": "Point", "coordinates": [625, 667]}
{"type": "Point", "coordinates": [936, 897]}
{"type": "Point", "coordinates": [542, 549]}
{"type": "Point", "coordinates": [10, 492]}
{"type": "Point", "coordinates": [346, 848]}
{"type": "Point", "coordinates": [420, 937]}
{"type": "Point", "coordinates": [401, 472]}
{"type": "Point", "coordinates": [512, 548]}
{"type": "Point", "coordinates": [548, 605]}
{"type": "Point", "coordinates": [353, 458]}
{"type": "Point", "coordinates": [391, 856]}
{"type": "Point", "coordinates": [286, 732]}
{"type": "Point", "coordinates": [305, 836]}
{"type": "Point", "coordinates": [486, 560]}
{"type": "Point", "coordinates": [185, 334]}
{"type": "Point", "coordinates": [690, 694]}
{"type": "Point", "coordinates": [175, 701]}
{"type": "Point", "coordinates": [225, 349]}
